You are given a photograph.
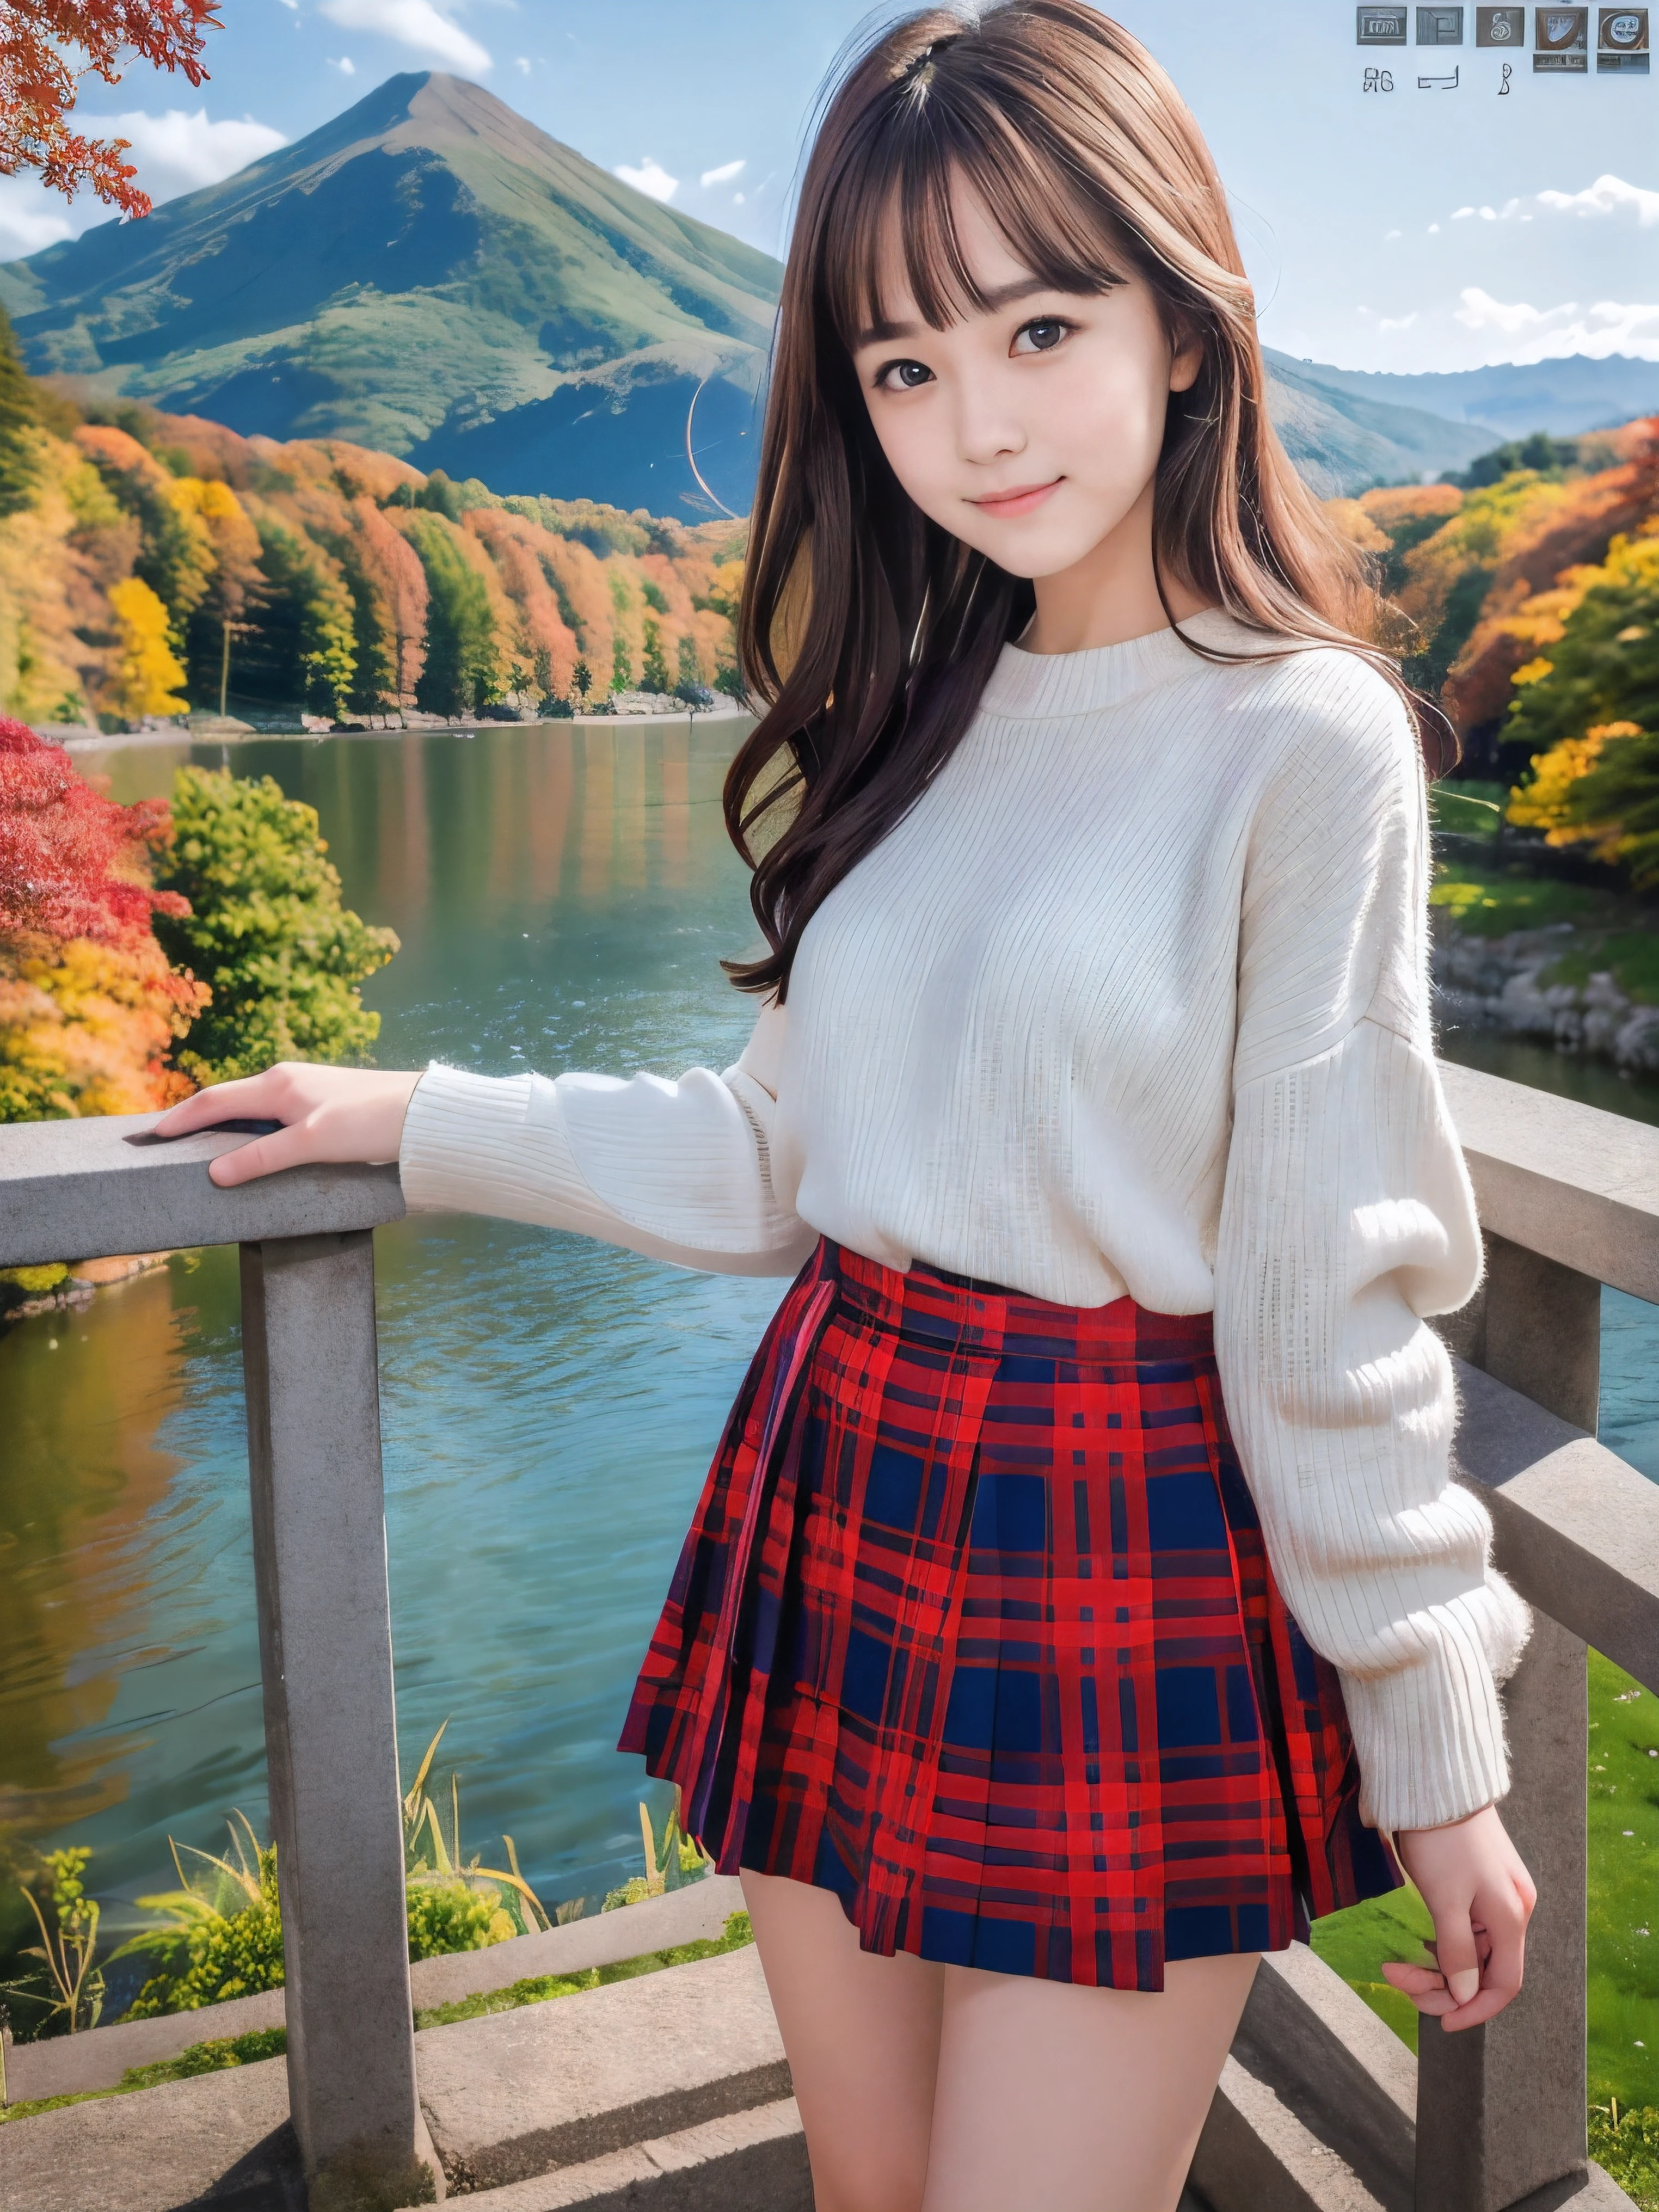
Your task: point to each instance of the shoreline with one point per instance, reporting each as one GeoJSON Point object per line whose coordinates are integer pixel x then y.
{"type": "Point", "coordinates": [98, 742]}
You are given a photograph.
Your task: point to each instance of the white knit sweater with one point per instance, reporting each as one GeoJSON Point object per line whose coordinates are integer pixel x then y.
{"type": "Point", "coordinates": [1134, 1000]}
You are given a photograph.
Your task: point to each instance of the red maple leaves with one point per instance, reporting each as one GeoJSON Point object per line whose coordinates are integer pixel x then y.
{"type": "Point", "coordinates": [47, 46]}
{"type": "Point", "coordinates": [70, 859]}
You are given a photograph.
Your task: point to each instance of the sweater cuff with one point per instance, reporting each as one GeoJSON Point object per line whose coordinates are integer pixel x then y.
{"type": "Point", "coordinates": [1429, 1737]}
{"type": "Point", "coordinates": [463, 1135]}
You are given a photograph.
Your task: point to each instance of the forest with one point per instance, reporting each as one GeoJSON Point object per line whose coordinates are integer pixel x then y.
{"type": "Point", "coordinates": [153, 564]}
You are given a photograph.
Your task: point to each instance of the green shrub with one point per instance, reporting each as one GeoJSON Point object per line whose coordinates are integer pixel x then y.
{"type": "Point", "coordinates": [266, 931]}
{"type": "Point", "coordinates": [446, 1916]}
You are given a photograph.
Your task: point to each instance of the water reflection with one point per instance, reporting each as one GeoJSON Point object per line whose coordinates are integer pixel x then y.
{"type": "Point", "coordinates": [563, 894]}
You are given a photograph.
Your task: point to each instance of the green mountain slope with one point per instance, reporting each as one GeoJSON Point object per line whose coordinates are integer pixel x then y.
{"type": "Point", "coordinates": [409, 277]}
{"type": "Point", "coordinates": [430, 275]}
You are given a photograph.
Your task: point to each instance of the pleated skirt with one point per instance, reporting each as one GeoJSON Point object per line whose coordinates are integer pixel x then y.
{"type": "Point", "coordinates": [975, 1627]}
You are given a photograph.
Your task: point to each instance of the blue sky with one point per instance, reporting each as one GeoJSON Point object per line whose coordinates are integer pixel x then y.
{"type": "Point", "coordinates": [1417, 229]}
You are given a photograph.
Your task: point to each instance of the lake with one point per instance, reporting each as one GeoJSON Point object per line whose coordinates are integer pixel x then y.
{"type": "Point", "coordinates": [563, 893]}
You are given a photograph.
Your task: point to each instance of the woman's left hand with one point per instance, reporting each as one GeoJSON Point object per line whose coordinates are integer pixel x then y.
{"type": "Point", "coordinates": [1481, 1896]}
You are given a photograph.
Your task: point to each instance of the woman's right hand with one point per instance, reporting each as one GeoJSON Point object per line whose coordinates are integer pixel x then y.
{"type": "Point", "coordinates": [326, 1113]}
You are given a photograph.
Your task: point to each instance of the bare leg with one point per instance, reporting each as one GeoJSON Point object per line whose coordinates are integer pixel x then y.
{"type": "Point", "coordinates": [863, 2036]}
{"type": "Point", "coordinates": [1077, 2100]}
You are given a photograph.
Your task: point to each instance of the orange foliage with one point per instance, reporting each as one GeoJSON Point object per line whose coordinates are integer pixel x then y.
{"type": "Point", "coordinates": [46, 45]}
{"type": "Point", "coordinates": [517, 546]}
{"type": "Point", "coordinates": [1545, 564]}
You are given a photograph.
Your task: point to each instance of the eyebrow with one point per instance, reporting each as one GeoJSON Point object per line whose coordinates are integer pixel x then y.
{"type": "Point", "coordinates": [1001, 296]}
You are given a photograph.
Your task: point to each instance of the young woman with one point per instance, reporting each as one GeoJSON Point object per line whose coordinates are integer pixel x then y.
{"type": "Point", "coordinates": [1078, 1600]}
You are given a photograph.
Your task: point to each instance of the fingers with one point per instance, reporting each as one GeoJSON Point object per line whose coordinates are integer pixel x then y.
{"type": "Point", "coordinates": [1503, 1920]}
{"type": "Point", "coordinates": [283, 1148]}
{"type": "Point", "coordinates": [1427, 1990]}
{"type": "Point", "coordinates": [1457, 1949]}
{"type": "Point", "coordinates": [247, 1099]}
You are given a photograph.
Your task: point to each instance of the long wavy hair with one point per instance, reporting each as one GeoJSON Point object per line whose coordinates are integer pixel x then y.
{"type": "Point", "coordinates": [866, 631]}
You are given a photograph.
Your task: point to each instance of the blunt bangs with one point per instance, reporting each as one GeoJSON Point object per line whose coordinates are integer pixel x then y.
{"type": "Point", "coordinates": [893, 197]}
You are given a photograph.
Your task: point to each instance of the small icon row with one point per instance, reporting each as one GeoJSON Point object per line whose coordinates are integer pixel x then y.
{"type": "Point", "coordinates": [1560, 35]}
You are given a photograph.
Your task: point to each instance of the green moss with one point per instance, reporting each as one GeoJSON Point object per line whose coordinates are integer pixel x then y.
{"type": "Point", "coordinates": [541, 1988]}
{"type": "Point", "coordinates": [31, 2106]}
{"type": "Point", "coordinates": [35, 1282]}
{"type": "Point", "coordinates": [199, 2058]}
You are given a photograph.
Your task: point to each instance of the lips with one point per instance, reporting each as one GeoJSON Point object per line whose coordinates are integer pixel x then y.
{"type": "Point", "coordinates": [1018, 499]}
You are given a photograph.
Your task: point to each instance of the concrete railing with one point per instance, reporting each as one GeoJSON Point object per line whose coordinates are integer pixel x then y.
{"type": "Point", "coordinates": [1569, 1199]}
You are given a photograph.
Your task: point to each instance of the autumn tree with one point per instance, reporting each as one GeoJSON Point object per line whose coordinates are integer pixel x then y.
{"type": "Point", "coordinates": [462, 668]}
{"type": "Point", "coordinates": [46, 46]}
{"type": "Point", "coordinates": [90, 1008]}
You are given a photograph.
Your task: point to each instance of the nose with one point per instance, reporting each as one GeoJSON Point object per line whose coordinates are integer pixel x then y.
{"type": "Point", "coordinates": [989, 427]}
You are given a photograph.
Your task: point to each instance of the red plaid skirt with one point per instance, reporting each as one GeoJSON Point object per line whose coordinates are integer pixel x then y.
{"type": "Point", "coordinates": [975, 1627]}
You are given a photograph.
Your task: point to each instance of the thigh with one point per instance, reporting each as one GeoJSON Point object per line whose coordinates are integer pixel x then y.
{"type": "Point", "coordinates": [862, 2035]}
{"type": "Point", "coordinates": [1078, 2099]}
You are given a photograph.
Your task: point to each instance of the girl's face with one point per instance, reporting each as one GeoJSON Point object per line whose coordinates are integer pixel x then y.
{"type": "Point", "coordinates": [1031, 430]}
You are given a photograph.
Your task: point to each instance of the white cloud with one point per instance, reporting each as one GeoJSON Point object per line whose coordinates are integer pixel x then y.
{"type": "Point", "coordinates": [521, 63]}
{"type": "Point", "coordinates": [31, 218]}
{"type": "Point", "coordinates": [1607, 326]}
{"type": "Point", "coordinates": [1388, 236]}
{"type": "Point", "coordinates": [723, 175]}
{"type": "Point", "coordinates": [179, 152]}
{"type": "Point", "coordinates": [346, 66]}
{"type": "Point", "coordinates": [1607, 196]}
{"type": "Point", "coordinates": [414, 23]}
{"type": "Point", "coordinates": [650, 177]}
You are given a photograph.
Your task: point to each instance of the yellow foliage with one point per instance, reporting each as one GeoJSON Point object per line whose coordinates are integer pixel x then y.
{"type": "Point", "coordinates": [148, 672]}
{"type": "Point", "coordinates": [1533, 671]}
{"type": "Point", "coordinates": [45, 667]}
{"type": "Point", "coordinates": [1543, 803]}
{"type": "Point", "coordinates": [1351, 519]}
{"type": "Point", "coordinates": [726, 589]}
{"type": "Point", "coordinates": [85, 1027]}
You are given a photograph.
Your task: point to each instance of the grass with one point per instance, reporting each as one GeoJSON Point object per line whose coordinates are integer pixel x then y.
{"type": "Point", "coordinates": [272, 2042]}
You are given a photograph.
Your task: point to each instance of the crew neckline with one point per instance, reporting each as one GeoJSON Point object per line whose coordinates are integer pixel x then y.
{"type": "Point", "coordinates": [1035, 685]}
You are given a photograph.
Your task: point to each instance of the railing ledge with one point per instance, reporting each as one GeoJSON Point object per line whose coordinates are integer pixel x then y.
{"type": "Point", "coordinates": [90, 1190]}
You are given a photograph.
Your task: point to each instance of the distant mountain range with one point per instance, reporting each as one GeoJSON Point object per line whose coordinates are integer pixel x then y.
{"type": "Point", "coordinates": [431, 275]}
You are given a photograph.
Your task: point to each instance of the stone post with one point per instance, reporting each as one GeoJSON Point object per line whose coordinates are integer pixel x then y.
{"type": "Point", "coordinates": [1501, 2109]}
{"type": "Point", "coordinates": [325, 1647]}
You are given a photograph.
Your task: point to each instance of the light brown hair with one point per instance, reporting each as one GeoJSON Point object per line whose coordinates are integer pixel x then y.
{"type": "Point", "coordinates": [868, 631]}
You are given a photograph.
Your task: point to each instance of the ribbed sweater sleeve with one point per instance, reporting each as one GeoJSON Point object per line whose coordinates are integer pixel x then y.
{"type": "Point", "coordinates": [681, 1171]}
{"type": "Point", "coordinates": [1347, 1217]}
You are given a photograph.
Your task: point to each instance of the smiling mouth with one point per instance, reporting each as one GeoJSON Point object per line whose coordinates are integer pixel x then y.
{"type": "Point", "coordinates": [1020, 500]}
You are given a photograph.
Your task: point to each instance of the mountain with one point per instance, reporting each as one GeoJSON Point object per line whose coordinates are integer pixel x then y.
{"type": "Point", "coordinates": [430, 275]}
{"type": "Point", "coordinates": [1509, 399]}
{"type": "Point", "coordinates": [1345, 441]}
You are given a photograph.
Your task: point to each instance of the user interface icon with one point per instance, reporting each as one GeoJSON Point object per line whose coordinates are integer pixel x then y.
{"type": "Point", "coordinates": [1440, 26]}
{"type": "Point", "coordinates": [1623, 30]}
{"type": "Point", "coordinates": [1561, 30]}
{"type": "Point", "coordinates": [1500, 26]}
{"type": "Point", "coordinates": [1382, 27]}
